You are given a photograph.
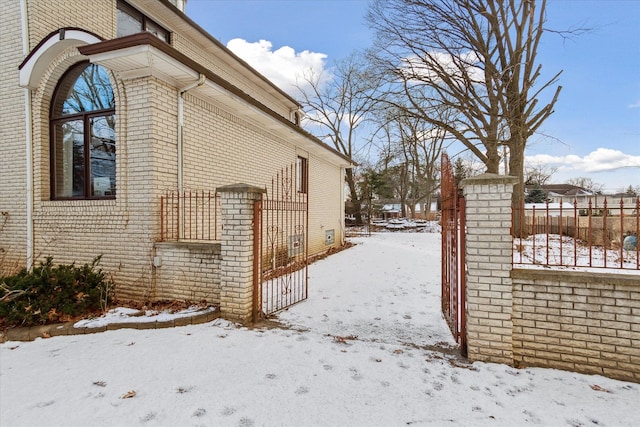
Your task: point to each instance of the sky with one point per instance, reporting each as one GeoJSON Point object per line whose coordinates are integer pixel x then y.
{"type": "Point", "coordinates": [368, 348]}
{"type": "Point", "coordinates": [594, 131]}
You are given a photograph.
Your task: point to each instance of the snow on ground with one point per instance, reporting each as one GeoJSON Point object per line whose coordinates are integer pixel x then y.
{"type": "Point", "coordinates": [555, 250]}
{"type": "Point", "coordinates": [132, 315]}
{"type": "Point", "coordinates": [358, 352]}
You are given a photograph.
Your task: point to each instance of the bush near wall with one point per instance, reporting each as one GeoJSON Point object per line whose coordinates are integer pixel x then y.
{"type": "Point", "coordinates": [49, 294]}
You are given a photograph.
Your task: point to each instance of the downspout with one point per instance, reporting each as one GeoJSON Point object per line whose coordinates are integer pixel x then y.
{"type": "Point", "coordinates": [181, 92]}
{"type": "Point", "coordinates": [28, 139]}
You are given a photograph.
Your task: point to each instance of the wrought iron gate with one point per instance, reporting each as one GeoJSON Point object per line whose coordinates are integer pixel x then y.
{"type": "Point", "coordinates": [453, 255]}
{"type": "Point", "coordinates": [281, 242]}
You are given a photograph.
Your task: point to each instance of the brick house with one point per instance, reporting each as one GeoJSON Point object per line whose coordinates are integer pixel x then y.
{"type": "Point", "coordinates": [108, 105]}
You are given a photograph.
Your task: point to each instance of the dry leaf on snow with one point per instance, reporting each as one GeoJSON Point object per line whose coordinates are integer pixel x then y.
{"type": "Point", "coordinates": [596, 387]}
{"type": "Point", "coordinates": [129, 394]}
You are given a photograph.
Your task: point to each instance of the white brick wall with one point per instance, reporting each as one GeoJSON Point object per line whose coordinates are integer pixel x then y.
{"type": "Point", "coordinates": [585, 322]}
{"type": "Point", "coordinates": [577, 321]}
{"type": "Point", "coordinates": [488, 216]}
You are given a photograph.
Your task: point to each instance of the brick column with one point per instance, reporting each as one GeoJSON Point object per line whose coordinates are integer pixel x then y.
{"type": "Point", "coordinates": [236, 265]}
{"type": "Point", "coordinates": [489, 252]}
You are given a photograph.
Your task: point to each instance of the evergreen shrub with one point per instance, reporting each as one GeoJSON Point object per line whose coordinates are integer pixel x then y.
{"type": "Point", "coordinates": [49, 294]}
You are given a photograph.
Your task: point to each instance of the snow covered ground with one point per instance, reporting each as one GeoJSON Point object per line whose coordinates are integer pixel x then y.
{"type": "Point", "coordinates": [555, 250]}
{"type": "Point", "coordinates": [368, 348]}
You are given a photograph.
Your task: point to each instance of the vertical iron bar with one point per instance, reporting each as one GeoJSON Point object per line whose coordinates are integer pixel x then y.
{"type": "Point", "coordinates": [590, 233]}
{"type": "Point", "coordinates": [605, 232]}
{"type": "Point", "coordinates": [257, 256]}
{"type": "Point", "coordinates": [621, 232]}
{"type": "Point", "coordinates": [463, 278]}
{"type": "Point", "coordinates": [162, 218]}
{"type": "Point", "coordinates": [196, 214]}
{"type": "Point", "coordinates": [560, 231]}
{"type": "Point", "coordinates": [547, 227]}
{"type": "Point", "coordinates": [575, 231]}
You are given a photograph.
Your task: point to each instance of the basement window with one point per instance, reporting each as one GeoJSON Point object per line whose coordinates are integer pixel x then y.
{"type": "Point", "coordinates": [131, 21]}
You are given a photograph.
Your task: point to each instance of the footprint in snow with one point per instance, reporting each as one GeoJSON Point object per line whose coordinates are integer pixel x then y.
{"type": "Point", "coordinates": [531, 417]}
{"type": "Point", "coordinates": [148, 417]}
{"type": "Point", "coordinates": [245, 422]}
{"type": "Point", "coordinates": [199, 412]}
{"type": "Point", "coordinates": [302, 390]}
{"type": "Point", "coordinates": [355, 375]}
{"type": "Point", "coordinates": [227, 411]}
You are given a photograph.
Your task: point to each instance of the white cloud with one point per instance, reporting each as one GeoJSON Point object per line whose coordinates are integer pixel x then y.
{"type": "Point", "coordinates": [467, 64]}
{"type": "Point", "coordinates": [283, 66]}
{"type": "Point", "coordinates": [635, 104]}
{"type": "Point", "coordinates": [600, 160]}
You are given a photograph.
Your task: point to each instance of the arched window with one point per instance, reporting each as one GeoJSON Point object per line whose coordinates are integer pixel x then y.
{"type": "Point", "coordinates": [83, 136]}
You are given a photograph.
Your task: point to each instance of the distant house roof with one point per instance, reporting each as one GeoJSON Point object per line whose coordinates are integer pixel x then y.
{"type": "Point", "coordinates": [561, 190]}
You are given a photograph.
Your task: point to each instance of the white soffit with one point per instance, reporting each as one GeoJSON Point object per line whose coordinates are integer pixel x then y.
{"type": "Point", "coordinates": [145, 60]}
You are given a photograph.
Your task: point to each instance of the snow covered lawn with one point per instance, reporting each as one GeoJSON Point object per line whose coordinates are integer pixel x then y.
{"type": "Point", "coordinates": [358, 352]}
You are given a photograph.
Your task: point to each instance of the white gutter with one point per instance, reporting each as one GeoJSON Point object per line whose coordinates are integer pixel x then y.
{"type": "Point", "coordinates": [28, 138]}
{"type": "Point", "coordinates": [181, 92]}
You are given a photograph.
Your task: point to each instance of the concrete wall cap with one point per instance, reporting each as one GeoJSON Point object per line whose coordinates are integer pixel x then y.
{"type": "Point", "coordinates": [241, 188]}
{"type": "Point", "coordinates": [489, 178]}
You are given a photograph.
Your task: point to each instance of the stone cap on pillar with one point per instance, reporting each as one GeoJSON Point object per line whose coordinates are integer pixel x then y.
{"type": "Point", "coordinates": [241, 188]}
{"type": "Point", "coordinates": [489, 178]}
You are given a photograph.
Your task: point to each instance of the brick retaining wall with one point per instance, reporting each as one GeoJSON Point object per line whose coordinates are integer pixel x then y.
{"type": "Point", "coordinates": [577, 321]}
{"type": "Point", "coordinates": [580, 321]}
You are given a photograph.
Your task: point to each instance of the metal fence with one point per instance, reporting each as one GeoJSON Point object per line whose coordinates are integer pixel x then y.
{"type": "Point", "coordinates": [189, 215]}
{"type": "Point", "coordinates": [578, 234]}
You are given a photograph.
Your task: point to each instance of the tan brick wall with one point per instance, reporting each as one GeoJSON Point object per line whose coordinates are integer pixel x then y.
{"type": "Point", "coordinates": [120, 230]}
{"type": "Point", "coordinates": [219, 149]}
{"type": "Point", "coordinates": [12, 143]}
{"type": "Point", "coordinates": [188, 271]}
{"type": "Point", "coordinates": [326, 211]}
{"type": "Point", "coordinates": [222, 149]}
{"type": "Point", "coordinates": [46, 16]}
{"type": "Point", "coordinates": [577, 321]}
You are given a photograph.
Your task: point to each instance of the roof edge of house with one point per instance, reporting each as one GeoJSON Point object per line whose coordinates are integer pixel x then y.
{"type": "Point", "coordinates": [141, 39]}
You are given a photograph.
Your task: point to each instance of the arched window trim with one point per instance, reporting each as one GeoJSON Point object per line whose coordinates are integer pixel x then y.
{"type": "Point", "coordinates": [56, 119]}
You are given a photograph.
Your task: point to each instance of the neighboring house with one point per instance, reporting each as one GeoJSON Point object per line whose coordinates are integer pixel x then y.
{"type": "Point", "coordinates": [583, 199]}
{"type": "Point", "coordinates": [565, 193]}
{"type": "Point", "coordinates": [107, 105]}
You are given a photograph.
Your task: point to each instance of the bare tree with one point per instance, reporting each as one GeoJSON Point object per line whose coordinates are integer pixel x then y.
{"type": "Point", "coordinates": [477, 58]}
{"type": "Point", "coordinates": [415, 149]}
{"type": "Point", "coordinates": [539, 174]}
{"type": "Point", "coordinates": [586, 183]}
{"type": "Point", "coordinates": [336, 106]}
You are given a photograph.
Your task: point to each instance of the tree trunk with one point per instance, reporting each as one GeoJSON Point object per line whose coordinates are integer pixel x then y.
{"type": "Point", "coordinates": [516, 168]}
{"type": "Point", "coordinates": [355, 199]}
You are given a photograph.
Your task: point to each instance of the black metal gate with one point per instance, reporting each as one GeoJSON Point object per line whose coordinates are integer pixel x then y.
{"type": "Point", "coordinates": [281, 237]}
{"type": "Point", "coordinates": [453, 255]}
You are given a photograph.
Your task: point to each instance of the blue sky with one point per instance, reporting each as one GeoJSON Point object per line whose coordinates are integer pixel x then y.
{"type": "Point", "coordinates": [595, 130]}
